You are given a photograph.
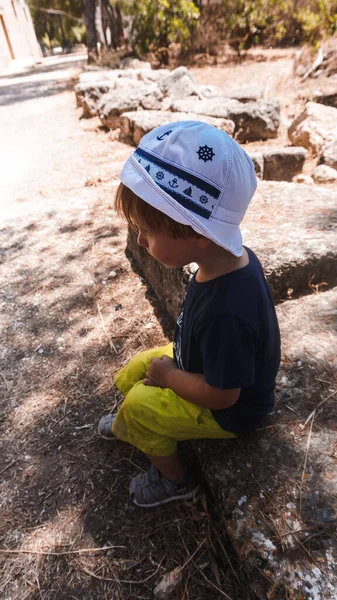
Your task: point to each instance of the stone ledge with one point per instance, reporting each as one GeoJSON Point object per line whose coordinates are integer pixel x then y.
{"type": "Point", "coordinates": [282, 164]}
{"type": "Point", "coordinates": [135, 124]}
{"type": "Point", "coordinates": [276, 490]}
{"type": "Point", "coordinates": [329, 98]}
{"type": "Point", "coordinates": [88, 95]}
{"type": "Point", "coordinates": [314, 127]}
{"type": "Point", "coordinates": [254, 121]}
{"type": "Point", "coordinates": [278, 163]}
{"type": "Point", "coordinates": [246, 93]}
{"type": "Point", "coordinates": [292, 229]}
{"type": "Point", "coordinates": [140, 95]}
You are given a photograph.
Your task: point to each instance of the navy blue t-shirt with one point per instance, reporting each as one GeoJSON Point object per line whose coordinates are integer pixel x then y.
{"type": "Point", "coordinates": [227, 330]}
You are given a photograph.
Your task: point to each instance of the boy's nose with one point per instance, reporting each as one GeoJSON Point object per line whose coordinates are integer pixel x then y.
{"type": "Point", "coordinates": [141, 240]}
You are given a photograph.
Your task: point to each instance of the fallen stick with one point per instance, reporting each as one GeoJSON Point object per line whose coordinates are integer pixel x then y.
{"type": "Point", "coordinates": [39, 552]}
{"type": "Point", "coordinates": [116, 579]}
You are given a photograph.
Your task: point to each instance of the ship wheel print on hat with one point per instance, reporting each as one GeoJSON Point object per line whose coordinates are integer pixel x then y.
{"type": "Point", "coordinates": [205, 153]}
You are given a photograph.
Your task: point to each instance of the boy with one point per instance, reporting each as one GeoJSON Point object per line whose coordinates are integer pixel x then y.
{"type": "Point", "coordinates": [185, 191]}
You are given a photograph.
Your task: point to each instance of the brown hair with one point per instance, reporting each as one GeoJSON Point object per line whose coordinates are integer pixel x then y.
{"type": "Point", "coordinates": [140, 214]}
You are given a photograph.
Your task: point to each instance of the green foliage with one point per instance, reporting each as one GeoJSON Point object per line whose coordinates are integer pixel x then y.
{"type": "Point", "coordinates": [56, 29]}
{"type": "Point", "coordinates": [157, 23]}
{"type": "Point", "coordinates": [245, 23]}
{"type": "Point", "coordinates": [316, 18]}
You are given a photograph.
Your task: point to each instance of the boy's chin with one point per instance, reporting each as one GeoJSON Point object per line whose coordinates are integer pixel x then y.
{"type": "Point", "coordinates": [170, 265]}
{"type": "Point", "coordinates": [175, 265]}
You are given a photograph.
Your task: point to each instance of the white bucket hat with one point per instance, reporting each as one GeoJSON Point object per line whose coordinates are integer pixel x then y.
{"type": "Point", "coordinates": [198, 176]}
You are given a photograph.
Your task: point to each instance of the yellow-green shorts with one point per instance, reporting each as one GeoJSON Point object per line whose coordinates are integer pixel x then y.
{"type": "Point", "coordinates": [154, 419]}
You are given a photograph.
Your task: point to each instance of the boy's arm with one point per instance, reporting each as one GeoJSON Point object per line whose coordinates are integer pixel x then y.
{"type": "Point", "coordinates": [163, 372]}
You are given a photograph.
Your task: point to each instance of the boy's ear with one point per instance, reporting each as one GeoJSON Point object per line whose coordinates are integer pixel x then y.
{"type": "Point", "coordinates": [202, 242]}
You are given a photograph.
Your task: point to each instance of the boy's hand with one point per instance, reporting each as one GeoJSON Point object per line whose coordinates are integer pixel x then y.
{"type": "Point", "coordinates": [163, 372]}
{"type": "Point", "coordinates": [158, 373]}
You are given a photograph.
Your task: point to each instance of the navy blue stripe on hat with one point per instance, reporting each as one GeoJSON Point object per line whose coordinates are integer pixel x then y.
{"type": "Point", "coordinates": [193, 179]}
{"type": "Point", "coordinates": [192, 206]}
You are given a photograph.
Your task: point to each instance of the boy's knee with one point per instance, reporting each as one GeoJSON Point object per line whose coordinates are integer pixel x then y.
{"type": "Point", "coordinates": [136, 368]}
{"type": "Point", "coordinates": [133, 401]}
{"type": "Point", "coordinates": [129, 375]}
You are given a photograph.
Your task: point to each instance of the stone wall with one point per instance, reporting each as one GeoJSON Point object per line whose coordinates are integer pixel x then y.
{"type": "Point", "coordinates": [135, 99]}
{"type": "Point", "coordinates": [17, 34]}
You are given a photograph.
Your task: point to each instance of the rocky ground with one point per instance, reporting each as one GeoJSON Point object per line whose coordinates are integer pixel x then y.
{"type": "Point", "coordinates": [72, 312]}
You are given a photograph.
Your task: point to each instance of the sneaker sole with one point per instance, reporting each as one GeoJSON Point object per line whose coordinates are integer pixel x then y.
{"type": "Point", "coordinates": [187, 496]}
{"type": "Point", "coordinates": [113, 438]}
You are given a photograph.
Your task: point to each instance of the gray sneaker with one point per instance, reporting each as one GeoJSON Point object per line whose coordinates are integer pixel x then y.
{"type": "Point", "coordinates": [105, 427]}
{"type": "Point", "coordinates": [150, 489]}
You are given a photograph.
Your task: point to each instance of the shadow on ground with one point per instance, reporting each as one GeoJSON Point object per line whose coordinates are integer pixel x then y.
{"type": "Point", "coordinates": [73, 313]}
{"type": "Point", "coordinates": [64, 488]}
{"type": "Point", "coordinates": [45, 68]}
{"type": "Point", "coordinates": [21, 92]}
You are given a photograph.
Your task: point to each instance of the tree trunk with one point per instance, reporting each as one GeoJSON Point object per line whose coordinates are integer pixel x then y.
{"type": "Point", "coordinates": [116, 24]}
{"type": "Point", "coordinates": [104, 25]}
{"type": "Point", "coordinates": [89, 13]}
{"type": "Point", "coordinates": [63, 35]}
{"type": "Point", "coordinates": [100, 34]}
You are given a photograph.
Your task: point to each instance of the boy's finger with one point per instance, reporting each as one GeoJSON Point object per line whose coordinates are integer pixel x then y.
{"type": "Point", "coordinates": [148, 381]}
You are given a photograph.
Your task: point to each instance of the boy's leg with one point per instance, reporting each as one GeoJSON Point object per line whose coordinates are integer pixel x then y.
{"type": "Point", "coordinates": [171, 467]}
{"type": "Point", "coordinates": [153, 419]}
{"type": "Point", "coordinates": [136, 368]}
{"type": "Point", "coordinates": [127, 377]}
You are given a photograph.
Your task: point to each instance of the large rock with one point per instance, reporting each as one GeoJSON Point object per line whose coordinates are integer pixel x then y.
{"type": "Point", "coordinates": [154, 75]}
{"type": "Point", "coordinates": [324, 174]}
{"type": "Point", "coordinates": [179, 83]}
{"type": "Point", "coordinates": [88, 95]}
{"type": "Point", "coordinates": [328, 97]}
{"type": "Point", "coordinates": [246, 93]}
{"type": "Point", "coordinates": [256, 120]}
{"type": "Point", "coordinates": [130, 98]}
{"type": "Point", "coordinates": [276, 489]}
{"type": "Point", "coordinates": [282, 164]}
{"type": "Point", "coordinates": [301, 178]}
{"type": "Point", "coordinates": [290, 227]}
{"type": "Point", "coordinates": [253, 120]}
{"type": "Point", "coordinates": [258, 161]}
{"type": "Point", "coordinates": [314, 128]}
{"type": "Point", "coordinates": [108, 75]}
{"type": "Point", "coordinates": [329, 154]}
{"type": "Point", "coordinates": [95, 84]}
{"type": "Point", "coordinates": [98, 75]}
{"type": "Point", "coordinates": [137, 123]}
{"type": "Point", "coordinates": [277, 163]}
{"type": "Point", "coordinates": [212, 107]}
{"type": "Point", "coordinates": [135, 63]}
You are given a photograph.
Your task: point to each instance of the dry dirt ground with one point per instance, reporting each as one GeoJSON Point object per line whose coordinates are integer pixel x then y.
{"type": "Point", "coordinates": [72, 312]}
